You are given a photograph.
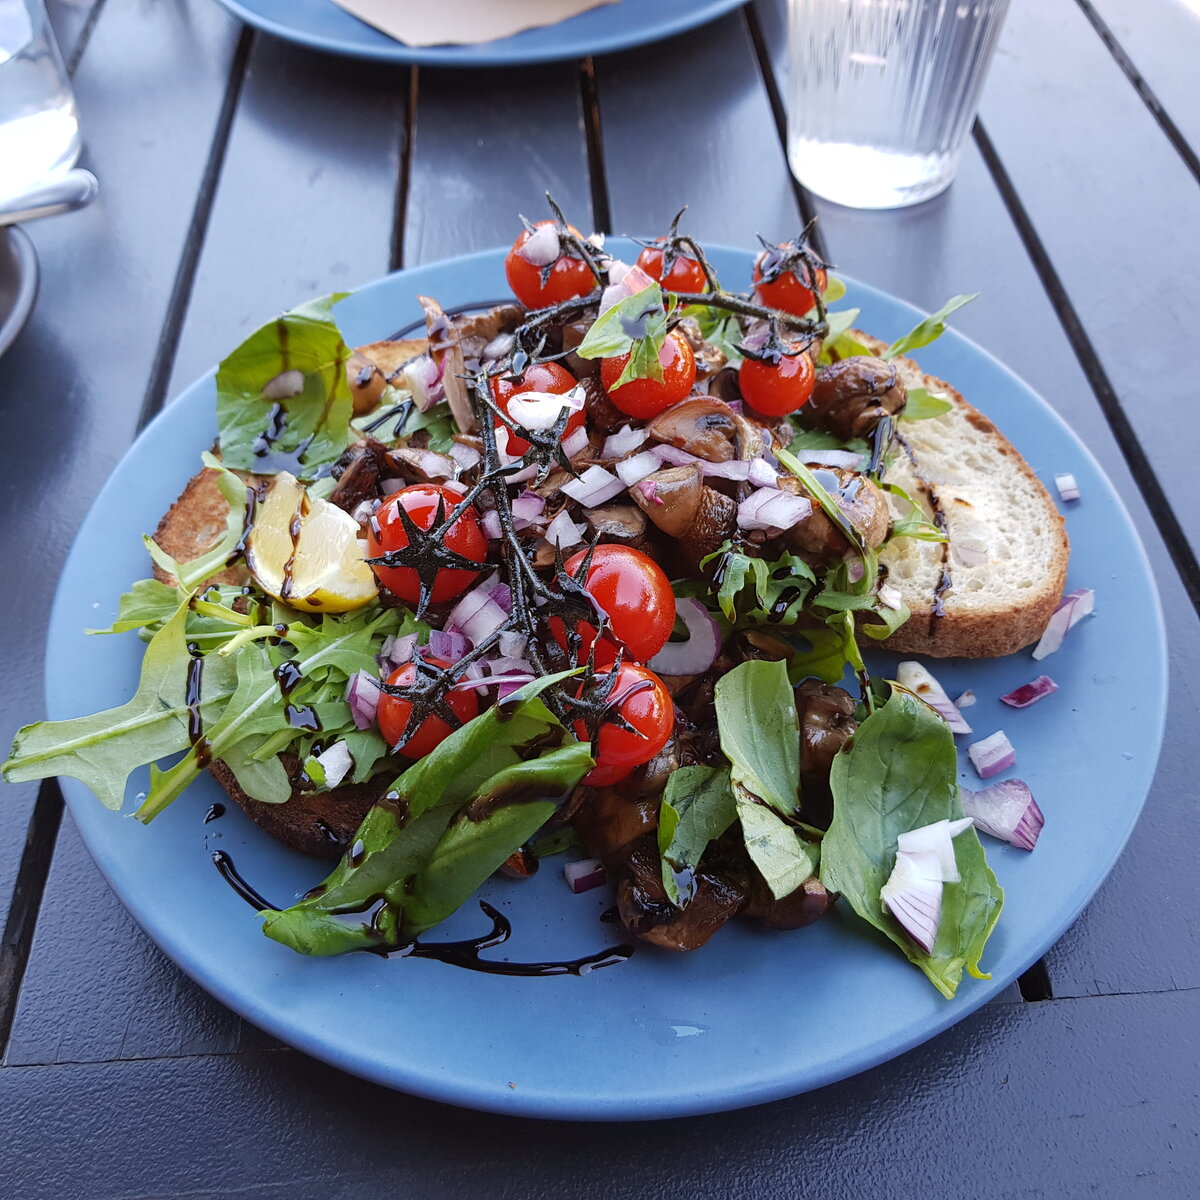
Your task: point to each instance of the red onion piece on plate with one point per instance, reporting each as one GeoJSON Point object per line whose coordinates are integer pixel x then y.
{"type": "Point", "coordinates": [593, 487]}
{"type": "Point", "coordinates": [762, 474]}
{"type": "Point", "coordinates": [938, 839]}
{"type": "Point", "coordinates": [700, 650]}
{"type": "Point", "coordinates": [362, 696]}
{"type": "Point", "coordinates": [1068, 489]}
{"type": "Point", "coordinates": [1028, 693]}
{"type": "Point", "coordinates": [584, 875]}
{"type": "Point", "coordinates": [528, 506]}
{"type": "Point", "coordinates": [1074, 607]}
{"type": "Point", "coordinates": [447, 646]}
{"type": "Point", "coordinates": [918, 679]}
{"type": "Point", "coordinates": [913, 895]}
{"type": "Point", "coordinates": [575, 442]}
{"type": "Point", "coordinates": [992, 755]}
{"type": "Point", "coordinates": [489, 525]}
{"type": "Point", "coordinates": [965, 700]}
{"type": "Point", "coordinates": [1006, 810]}
{"type": "Point", "coordinates": [770, 508]}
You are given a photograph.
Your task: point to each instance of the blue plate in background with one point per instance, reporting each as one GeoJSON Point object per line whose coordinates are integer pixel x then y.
{"type": "Point", "coordinates": [321, 25]}
{"type": "Point", "coordinates": [753, 1016]}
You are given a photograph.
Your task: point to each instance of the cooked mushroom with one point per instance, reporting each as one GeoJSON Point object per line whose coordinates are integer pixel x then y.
{"type": "Point", "coordinates": [422, 466]}
{"type": "Point", "coordinates": [447, 353]}
{"type": "Point", "coordinates": [817, 537]}
{"type": "Point", "coordinates": [852, 396]}
{"type": "Point", "coordinates": [602, 414]}
{"type": "Point", "coordinates": [726, 385]}
{"type": "Point", "coordinates": [609, 821]}
{"type": "Point", "coordinates": [679, 503]}
{"type": "Point", "coordinates": [808, 903]}
{"type": "Point", "coordinates": [358, 473]}
{"type": "Point", "coordinates": [366, 382]}
{"type": "Point", "coordinates": [504, 318]}
{"type": "Point", "coordinates": [826, 715]}
{"type": "Point", "coordinates": [701, 425]}
{"type": "Point", "coordinates": [623, 523]}
{"type": "Point", "coordinates": [646, 912]}
{"type": "Point", "coordinates": [709, 359]}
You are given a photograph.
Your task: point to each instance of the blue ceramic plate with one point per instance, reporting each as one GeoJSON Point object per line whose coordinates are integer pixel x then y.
{"type": "Point", "coordinates": [323, 26]}
{"type": "Point", "coordinates": [753, 1016]}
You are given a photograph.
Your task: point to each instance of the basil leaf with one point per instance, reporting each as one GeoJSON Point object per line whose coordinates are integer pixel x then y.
{"type": "Point", "coordinates": [928, 330]}
{"type": "Point", "coordinates": [302, 432]}
{"type": "Point", "coordinates": [898, 773]}
{"type": "Point", "coordinates": [629, 320]}
{"type": "Point", "coordinates": [923, 404]}
{"type": "Point", "coordinates": [697, 807]}
{"type": "Point", "coordinates": [760, 732]}
{"type": "Point", "coordinates": [783, 859]}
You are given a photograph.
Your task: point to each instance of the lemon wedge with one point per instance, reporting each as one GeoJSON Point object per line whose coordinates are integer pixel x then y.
{"type": "Point", "coordinates": [305, 551]}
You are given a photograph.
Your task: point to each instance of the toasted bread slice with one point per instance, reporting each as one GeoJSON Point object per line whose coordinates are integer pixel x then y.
{"type": "Point", "coordinates": [194, 524]}
{"type": "Point", "coordinates": [389, 357]}
{"type": "Point", "coordinates": [1006, 561]}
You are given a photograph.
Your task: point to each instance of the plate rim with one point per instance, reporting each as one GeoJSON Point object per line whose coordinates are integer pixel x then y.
{"type": "Point", "coordinates": [85, 809]}
{"type": "Point", "coordinates": [507, 51]}
{"type": "Point", "coordinates": [28, 281]}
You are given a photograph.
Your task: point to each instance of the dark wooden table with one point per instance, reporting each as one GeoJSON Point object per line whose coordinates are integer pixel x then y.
{"type": "Point", "coordinates": [242, 175]}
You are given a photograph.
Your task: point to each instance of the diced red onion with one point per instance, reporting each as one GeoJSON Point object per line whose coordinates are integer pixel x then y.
{"type": "Point", "coordinates": [584, 875]}
{"type": "Point", "coordinates": [1074, 607]}
{"type": "Point", "coordinates": [700, 650]}
{"type": "Point", "coordinates": [891, 597]}
{"type": "Point", "coordinates": [966, 699]}
{"type": "Point", "coordinates": [423, 378]}
{"type": "Point", "coordinates": [562, 531]}
{"type": "Point", "coordinates": [510, 665]}
{"type": "Point", "coordinates": [737, 469]}
{"type": "Point", "coordinates": [1028, 693]}
{"type": "Point", "coordinates": [398, 650]}
{"type": "Point", "coordinates": [489, 525]}
{"type": "Point", "coordinates": [855, 567]}
{"type": "Point", "coordinates": [913, 895]}
{"type": "Point", "coordinates": [575, 442]}
{"type": "Point", "coordinates": [541, 247]}
{"type": "Point", "coordinates": [736, 406]}
{"type": "Point", "coordinates": [447, 646]}
{"type": "Point", "coordinates": [623, 442]}
{"type": "Point", "coordinates": [770, 508]}
{"type": "Point", "coordinates": [364, 510]}
{"type": "Point", "coordinates": [433, 465]}
{"type": "Point", "coordinates": [362, 695]}
{"type": "Point", "coordinates": [1068, 489]}
{"type": "Point", "coordinates": [455, 485]}
{"type": "Point", "coordinates": [637, 467]}
{"type": "Point", "coordinates": [848, 460]}
{"type": "Point", "coordinates": [627, 282]}
{"type": "Point", "coordinates": [969, 553]}
{"type": "Point", "coordinates": [284, 386]}
{"type": "Point", "coordinates": [528, 506]}
{"type": "Point", "coordinates": [499, 347]}
{"type": "Point", "coordinates": [919, 680]}
{"type": "Point", "coordinates": [466, 456]}
{"type": "Point", "coordinates": [937, 839]}
{"type": "Point", "coordinates": [1006, 810]}
{"type": "Point", "coordinates": [539, 410]}
{"type": "Point", "coordinates": [992, 755]}
{"type": "Point", "coordinates": [337, 762]}
{"type": "Point", "coordinates": [762, 474]}
{"type": "Point", "coordinates": [487, 681]}
{"type": "Point", "coordinates": [389, 487]}
{"type": "Point", "coordinates": [512, 644]}
{"type": "Point", "coordinates": [499, 593]}
{"type": "Point", "coordinates": [484, 621]}
{"type": "Point", "coordinates": [593, 487]}
{"type": "Point", "coordinates": [649, 491]}
{"type": "Point", "coordinates": [470, 603]}
{"type": "Point", "coordinates": [675, 456]}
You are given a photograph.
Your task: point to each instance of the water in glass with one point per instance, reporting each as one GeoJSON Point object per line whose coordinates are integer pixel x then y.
{"type": "Point", "coordinates": [39, 127]}
{"type": "Point", "coordinates": [881, 94]}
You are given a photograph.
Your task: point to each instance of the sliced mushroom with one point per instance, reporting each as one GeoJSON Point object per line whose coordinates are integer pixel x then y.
{"type": "Point", "coordinates": [701, 425]}
{"type": "Point", "coordinates": [602, 414]}
{"type": "Point", "coordinates": [864, 505]}
{"type": "Point", "coordinates": [447, 353]}
{"type": "Point", "coordinates": [677, 494]}
{"type": "Point", "coordinates": [726, 385]}
{"type": "Point", "coordinates": [808, 903]}
{"type": "Point", "coordinates": [827, 722]}
{"type": "Point", "coordinates": [852, 396]}
{"type": "Point", "coordinates": [752, 439]}
{"type": "Point", "coordinates": [504, 318]}
{"type": "Point", "coordinates": [358, 473]}
{"type": "Point", "coordinates": [709, 360]}
{"type": "Point", "coordinates": [422, 466]}
{"type": "Point", "coordinates": [366, 382]}
{"type": "Point", "coordinates": [716, 521]}
{"type": "Point", "coordinates": [610, 820]}
{"type": "Point", "coordinates": [623, 523]}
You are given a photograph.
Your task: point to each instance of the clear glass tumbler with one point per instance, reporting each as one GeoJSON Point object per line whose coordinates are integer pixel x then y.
{"type": "Point", "coordinates": [39, 127]}
{"type": "Point", "coordinates": [881, 94]}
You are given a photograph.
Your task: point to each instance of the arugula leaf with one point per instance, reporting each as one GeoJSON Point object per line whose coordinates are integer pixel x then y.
{"type": "Point", "coordinates": [772, 593]}
{"type": "Point", "coordinates": [637, 326]}
{"type": "Point", "coordinates": [913, 523]}
{"type": "Point", "coordinates": [923, 404]}
{"type": "Point", "coordinates": [822, 439]}
{"type": "Point", "coordinates": [759, 729]}
{"type": "Point", "coordinates": [783, 859]}
{"type": "Point", "coordinates": [312, 427]}
{"type": "Point", "coordinates": [898, 773]}
{"type": "Point", "coordinates": [362, 904]}
{"type": "Point", "coordinates": [928, 330]}
{"type": "Point", "coordinates": [148, 602]}
{"type": "Point", "coordinates": [697, 807]}
{"type": "Point", "coordinates": [102, 749]}
{"type": "Point", "coordinates": [717, 327]}
{"type": "Point", "coordinates": [827, 654]}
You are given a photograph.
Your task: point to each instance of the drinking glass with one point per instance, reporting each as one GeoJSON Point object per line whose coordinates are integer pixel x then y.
{"type": "Point", "coordinates": [881, 94]}
{"type": "Point", "coordinates": [39, 127]}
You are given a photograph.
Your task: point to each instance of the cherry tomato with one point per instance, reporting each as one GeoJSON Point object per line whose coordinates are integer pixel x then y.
{"type": "Point", "coordinates": [568, 276]}
{"type": "Point", "coordinates": [385, 533]}
{"type": "Point", "coordinates": [646, 398]}
{"type": "Point", "coordinates": [541, 377]}
{"type": "Point", "coordinates": [788, 293]}
{"type": "Point", "coordinates": [641, 699]}
{"type": "Point", "coordinates": [685, 275]}
{"type": "Point", "coordinates": [393, 713]}
{"type": "Point", "coordinates": [633, 593]}
{"type": "Point", "coordinates": [777, 388]}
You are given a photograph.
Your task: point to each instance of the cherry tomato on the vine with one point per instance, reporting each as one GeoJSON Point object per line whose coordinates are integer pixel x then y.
{"type": "Point", "coordinates": [646, 398]}
{"type": "Point", "coordinates": [685, 275]}
{"type": "Point", "coordinates": [541, 377]}
{"type": "Point", "coordinates": [641, 699]}
{"type": "Point", "coordinates": [393, 713]}
{"type": "Point", "coordinates": [788, 292]}
{"type": "Point", "coordinates": [568, 276]}
{"type": "Point", "coordinates": [385, 533]}
{"type": "Point", "coordinates": [775, 389]}
{"type": "Point", "coordinates": [633, 593]}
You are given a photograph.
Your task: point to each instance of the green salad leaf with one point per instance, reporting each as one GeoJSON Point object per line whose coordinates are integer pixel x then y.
{"type": "Point", "coordinates": [759, 729]}
{"type": "Point", "coordinates": [782, 857]}
{"type": "Point", "coordinates": [148, 602]}
{"type": "Point", "coordinates": [270, 419]}
{"type": "Point", "coordinates": [441, 829]}
{"type": "Point", "coordinates": [898, 773]}
{"type": "Point", "coordinates": [923, 404]}
{"type": "Point", "coordinates": [637, 326]}
{"type": "Point", "coordinates": [697, 807]}
{"type": "Point", "coordinates": [928, 330]}
{"type": "Point", "coordinates": [718, 327]}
